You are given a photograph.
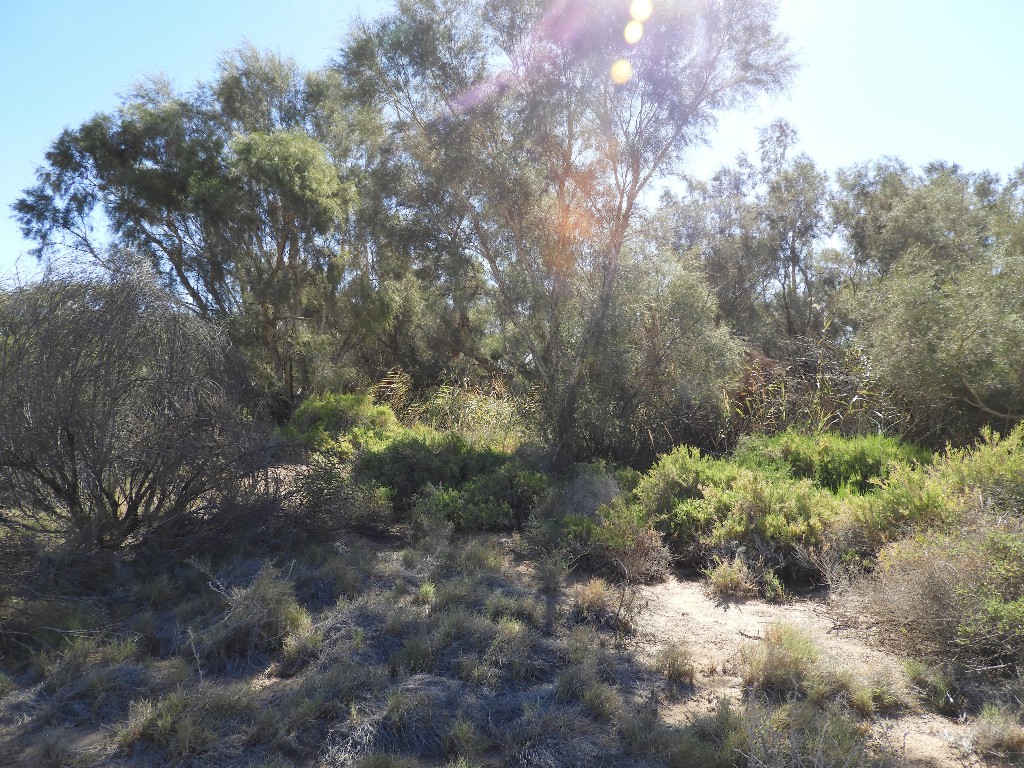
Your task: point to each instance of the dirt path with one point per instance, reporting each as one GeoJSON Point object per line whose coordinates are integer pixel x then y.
{"type": "Point", "coordinates": [682, 610]}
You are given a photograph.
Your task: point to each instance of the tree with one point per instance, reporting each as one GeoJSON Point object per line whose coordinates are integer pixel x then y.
{"type": "Point", "coordinates": [758, 230]}
{"type": "Point", "coordinates": [532, 161]}
{"type": "Point", "coordinates": [943, 319]}
{"type": "Point", "coordinates": [240, 193]}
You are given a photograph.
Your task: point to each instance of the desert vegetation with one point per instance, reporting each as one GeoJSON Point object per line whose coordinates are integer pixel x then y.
{"type": "Point", "coordinates": [386, 402]}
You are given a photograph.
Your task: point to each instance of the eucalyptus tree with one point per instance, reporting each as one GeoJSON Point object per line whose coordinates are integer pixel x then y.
{"type": "Point", "coordinates": [533, 131]}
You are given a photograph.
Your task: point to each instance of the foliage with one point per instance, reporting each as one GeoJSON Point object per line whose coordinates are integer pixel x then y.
{"type": "Point", "coordinates": [535, 160]}
{"type": "Point", "coordinates": [413, 459]}
{"type": "Point", "coordinates": [833, 462]}
{"type": "Point", "coordinates": [335, 423]}
{"type": "Point", "coordinates": [500, 499]}
{"type": "Point", "coordinates": [956, 594]}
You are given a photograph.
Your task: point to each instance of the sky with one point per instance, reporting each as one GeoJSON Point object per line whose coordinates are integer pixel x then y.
{"type": "Point", "coordinates": [918, 79]}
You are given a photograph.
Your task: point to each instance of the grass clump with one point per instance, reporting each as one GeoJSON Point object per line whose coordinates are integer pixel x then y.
{"type": "Point", "coordinates": [259, 619]}
{"type": "Point", "coordinates": [998, 732]}
{"type": "Point", "coordinates": [675, 663]}
{"type": "Point", "coordinates": [788, 665]}
{"type": "Point", "coordinates": [782, 663]}
{"type": "Point", "coordinates": [731, 578]}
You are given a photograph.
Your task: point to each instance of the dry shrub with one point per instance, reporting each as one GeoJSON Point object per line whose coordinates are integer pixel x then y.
{"type": "Point", "coordinates": [952, 595]}
{"type": "Point", "coordinates": [675, 663]}
{"type": "Point", "coordinates": [599, 603]}
{"type": "Point", "coordinates": [554, 736]}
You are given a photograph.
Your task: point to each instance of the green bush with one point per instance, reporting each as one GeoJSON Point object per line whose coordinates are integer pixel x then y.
{"type": "Point", "coordinates": [420, 457]}
{"type": "Point", "coordinates": [830, 460]}
{"type": "Point", "coordinates": [618, 543]}
{"type": "Point", "coordinates": [680, 476]}
{"type": "Point", "coordinates": [499, 500]}
{"type": "Point", "coordinates": [338, 424]}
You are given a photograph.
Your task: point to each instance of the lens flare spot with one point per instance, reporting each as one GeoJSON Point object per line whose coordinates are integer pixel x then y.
{"type": "Point", "coordinates": [621, 71]}
{"type": "Point", "coordinates": [641, 10]}
{"type": "Point", "coordinates": [634, 31]}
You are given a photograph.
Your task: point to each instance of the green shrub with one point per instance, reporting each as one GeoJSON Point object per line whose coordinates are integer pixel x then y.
{"type": "Point", "coordinates": [704, 505]}
{"type": "Point", "coordinates": [680, 476]}
{"type": "Point", "coordinates": [830, 460]}
{"type": "Point", "coordinates": [618, 544]}
{"type": "Point", "coordinates": [993, 468]}
{"type": "Point", "coordinates": [420, 457]}
{"type": "Point", "coordinates": [783, 514]}
{"type": "Point", "coordinates": [337, 424]}
{"type": "Point", "coordinates": [911, 498]}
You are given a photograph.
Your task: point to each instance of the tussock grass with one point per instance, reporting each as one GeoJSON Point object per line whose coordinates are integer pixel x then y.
{"type": "Point", "coordinates": [787, 664]}
{"type": "Point", "coordinates": [998, 732]}
{"type": "Point", "coordinates": [259, 619]}
{"type": "Point", "coordinates": [675, 663]}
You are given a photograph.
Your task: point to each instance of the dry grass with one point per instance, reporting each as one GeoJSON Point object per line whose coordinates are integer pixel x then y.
{"type": "Point", "coordinates": [258, 620]}
{"type": "Point", "coordinates": [731, 578]}
{"type": "Point", "coordinates": [998, 732]}
{"type": "Point", "coordinates": [675, 663]}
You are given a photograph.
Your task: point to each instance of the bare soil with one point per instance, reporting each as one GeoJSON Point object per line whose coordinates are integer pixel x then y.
{"type": "Point", "coordinates": [682, 610]}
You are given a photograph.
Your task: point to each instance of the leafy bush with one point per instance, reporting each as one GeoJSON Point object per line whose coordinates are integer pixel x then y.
{"type": "Point", "coordinates": [420, 457]}
{"type": "Point", "coordinates": [617, 543]}
{"type": "Point", "coordinates": [830, 460]}
{"type": "Point", "coordinates": [680, 476]}
{"type": "Point", "coordinates": [337, 424]}
{"type": "Point", "coordinates": [501, 499]}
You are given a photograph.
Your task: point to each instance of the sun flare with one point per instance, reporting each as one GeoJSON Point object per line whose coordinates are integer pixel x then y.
{"type": "Point", "coordinates": [641, 10]}
{"type": "Point", "coordinates": [634, 31]}
{"type": "Point", "coordinates": [621, 71]}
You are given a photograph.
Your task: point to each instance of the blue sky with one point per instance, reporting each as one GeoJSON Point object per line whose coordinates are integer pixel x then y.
{"type": "Point", "coordinates": [919, 79]}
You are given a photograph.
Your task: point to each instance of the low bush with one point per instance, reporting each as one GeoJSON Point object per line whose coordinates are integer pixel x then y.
{"type": "Point", "coordinates": [499, 500]}
{"type": "Point", "coordinates": [618, 544]}
{"type": "Point", "coordinates": [731, 578]}
{"type": "Point", "coordinates": [705, 505]}
{"type": "Point", "coordinates": [338, 424]}
{"type": "Point", "coordinates": [832, 461]}
{"type": "Point", "coordinates": [420, 457]}
{"type": "Point", "coordinates": [956, 595]}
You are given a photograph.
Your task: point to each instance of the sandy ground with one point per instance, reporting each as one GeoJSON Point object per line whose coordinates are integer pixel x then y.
{"type": "Point", "coordinates": [680, 610]}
